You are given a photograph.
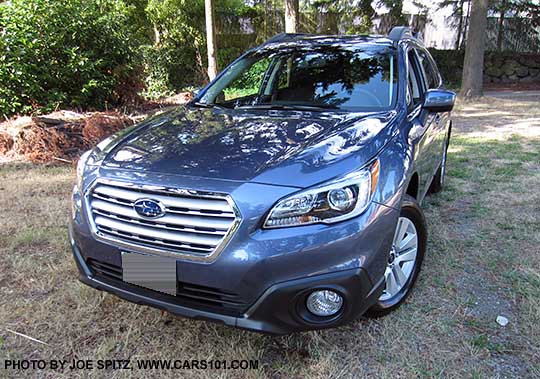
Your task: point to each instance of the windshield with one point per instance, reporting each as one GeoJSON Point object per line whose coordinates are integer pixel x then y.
{"type": "Point", "coordinates": [351, 78]}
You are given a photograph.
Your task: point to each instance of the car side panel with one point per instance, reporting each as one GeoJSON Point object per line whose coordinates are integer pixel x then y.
{"type": "Point", "coordinates": [427, 133]}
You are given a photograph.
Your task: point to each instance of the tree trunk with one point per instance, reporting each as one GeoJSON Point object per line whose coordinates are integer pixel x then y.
{"type": "Point", "coordinates": [210, 39]}
{"type": "Point", "coordinates": [500, 32]}
{"type": "Point", "coordinates": [466, 27]}
{"type": "Point", "coordinates": [460, 26]}
{"type": "Point", "coordinates": [473, 65]}
{"type": "Point", "coordinates": [292, 16]}
{"type": "Point", "coordinates": [157, 36]}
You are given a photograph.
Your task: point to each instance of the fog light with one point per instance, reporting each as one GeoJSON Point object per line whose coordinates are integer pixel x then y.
{"type": "Point", "coordinates": [324, 303]}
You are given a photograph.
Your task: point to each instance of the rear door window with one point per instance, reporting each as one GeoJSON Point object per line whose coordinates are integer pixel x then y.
{"type": "Point", "coordinates": [430, 73]}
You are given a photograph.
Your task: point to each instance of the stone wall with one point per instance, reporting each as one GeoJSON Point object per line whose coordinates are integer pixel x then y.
{"type": "Point", "coordinates": [512, 68]}
{"type": "Point", "coordinates": [505, 67]}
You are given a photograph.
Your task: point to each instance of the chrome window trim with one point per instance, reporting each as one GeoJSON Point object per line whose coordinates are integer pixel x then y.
{"type": "Point", "coordinates": [206, 258]}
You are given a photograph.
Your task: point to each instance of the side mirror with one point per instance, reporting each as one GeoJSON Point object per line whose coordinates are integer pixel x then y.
{"type": "Point", "coordinates": [439, 100]}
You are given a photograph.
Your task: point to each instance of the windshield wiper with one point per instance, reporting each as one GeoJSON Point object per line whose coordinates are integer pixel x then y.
{"type": "Point", "coordinates": [296, 107]}
{"type": "Point", "coordinates": [209, 105]}
{"type": "Point", "coordinates": [202, 105]}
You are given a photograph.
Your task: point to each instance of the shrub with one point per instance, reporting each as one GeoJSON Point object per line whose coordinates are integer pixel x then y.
{"type": "Point", "coordinates": [175, 60]}
{"type": "Point", "coordinates": [170, 68]}
{"type": "Point", "coordinates": [450, 64]}
{"type": "Point", "coordinates": [75, 53]}
{"type": "Point", "coordinates": [177, 57]}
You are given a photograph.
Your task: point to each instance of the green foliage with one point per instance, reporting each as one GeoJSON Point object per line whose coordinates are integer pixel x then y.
{"type": "Point", "coordinates": [450, 64]}
{"type": "Point", "coordinates": [249, 82]}
{"type": "Point", "coordinates": [170, 68]}
{"type": "Point", "coordinates": [355, 16]}
{"type": "Point", "coordinates": [174, 59]}
{"type": "Point", "coordinates": [91, 53]}
{"type": "Point", "coordinates": [177, 57]}
{"type": "Point", "coordinates": [77, 53]}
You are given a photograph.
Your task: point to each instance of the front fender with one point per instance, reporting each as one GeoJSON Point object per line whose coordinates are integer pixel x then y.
{"type": "Point", "coordinates": [397, 168]}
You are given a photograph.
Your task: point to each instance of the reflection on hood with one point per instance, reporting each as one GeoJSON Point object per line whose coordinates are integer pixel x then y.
{"type": "Point", "coordinates": [242, 145]}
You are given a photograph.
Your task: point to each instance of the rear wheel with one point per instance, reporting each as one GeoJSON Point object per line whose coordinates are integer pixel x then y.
{"type": "Point", "coordinates": [404, 260]}
{"type": "Point", "coordinates": [438, 180]}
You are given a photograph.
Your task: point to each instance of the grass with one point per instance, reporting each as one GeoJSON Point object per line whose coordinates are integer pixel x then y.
{"type": "Point", "coordinates": [483, 261]}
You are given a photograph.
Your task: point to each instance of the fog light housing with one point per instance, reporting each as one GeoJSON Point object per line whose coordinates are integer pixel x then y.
{"type": "Point", "coordinates": [324, 303]}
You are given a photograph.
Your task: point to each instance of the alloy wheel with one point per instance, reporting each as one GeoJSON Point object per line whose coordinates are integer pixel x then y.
{"type": "Point", "coordinates": [401, 260]}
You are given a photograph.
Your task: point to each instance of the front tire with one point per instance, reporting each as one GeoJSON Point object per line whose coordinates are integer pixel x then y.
{"type": "Point", "coordinates": [404, 260]}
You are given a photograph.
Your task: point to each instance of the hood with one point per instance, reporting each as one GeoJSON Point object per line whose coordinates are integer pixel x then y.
{"type": "Point", "coordinates": [289, 148]}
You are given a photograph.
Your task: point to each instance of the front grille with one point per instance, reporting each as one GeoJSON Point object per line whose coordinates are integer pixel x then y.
{"type": "Point", "coordinates": [192, 224]}
{"type": "Point", "coordinates": [191, 295]}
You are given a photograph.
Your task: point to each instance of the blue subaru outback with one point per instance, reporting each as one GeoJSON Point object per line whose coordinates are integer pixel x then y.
{"type": "Point", "coordinates": [285, 197]}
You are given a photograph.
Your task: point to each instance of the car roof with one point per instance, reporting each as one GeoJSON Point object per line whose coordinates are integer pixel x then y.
{"type": "Point", "coordinates": [397, 34]}
{"type": "Point", "coordinates": [322, 40]}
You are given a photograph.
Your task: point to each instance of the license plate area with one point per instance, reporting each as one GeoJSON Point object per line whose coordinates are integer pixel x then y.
{"type": "Point", "coordinates": [150, 271]}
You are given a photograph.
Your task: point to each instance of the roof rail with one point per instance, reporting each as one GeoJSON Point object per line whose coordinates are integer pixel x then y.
{"type": "Point", "coordinates": [418, 36]}
{"type": "Point", "coordinates": [282, 37]}
{"type": "Point", "coordinates": [400, 32]}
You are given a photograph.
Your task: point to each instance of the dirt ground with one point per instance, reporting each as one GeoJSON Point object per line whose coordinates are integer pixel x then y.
{"type": "Point", "coordinates": [483, 261]}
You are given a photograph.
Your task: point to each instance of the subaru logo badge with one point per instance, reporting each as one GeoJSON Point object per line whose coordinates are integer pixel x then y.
{"type": "Point", "coordinates": [149, 208]}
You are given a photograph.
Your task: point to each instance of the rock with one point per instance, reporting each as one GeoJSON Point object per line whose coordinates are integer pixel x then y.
{"type": "Point", "coordinates": [531, 62]}
{"type": "Point", "coordinates": [522, 59]}
{"type": "Point", "coordinates": [496, 60]}
{"type": "Point", "coordinates": [512, 78]}
{"type": "Point", "coordinates": [534, 63]}
{"type": "Point", "coordinates": [509, 69]}
{"type": "Point", "coordinates": [494, 71]}
{"type": "Point", "coordinates": [529, 79]}
{"type": "Point", "coordinates": [522, 71]}
{"type": "Point", "coordinates": [502, 321]}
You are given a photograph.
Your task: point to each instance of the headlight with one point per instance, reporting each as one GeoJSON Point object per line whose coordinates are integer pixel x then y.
{"type": "Point", "coordinates": [334, 201]}
{"type": "Point", "coordinates": [80, 168]}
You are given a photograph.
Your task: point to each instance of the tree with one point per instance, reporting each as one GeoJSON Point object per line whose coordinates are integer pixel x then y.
{"type": "Point", "coordinates": [459, 13]}
{"type": "Point", "coordinates": [500, 33]}
{"type": "Point", "coordinates": [292, 16]}
{"type": "Point", "coordinates": [526, 10]}
{"type": "Point", "coordinates": [395, 11]}
{"type": "Point", "coordinates": [473, 65]}
{"type": "Point", "coordinates": [210, 39]}
{"type": "Point", "coordinates": [356, 16]}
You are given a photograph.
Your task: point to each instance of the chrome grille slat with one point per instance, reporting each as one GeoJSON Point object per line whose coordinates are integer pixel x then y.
{"type": "Point", "coordinates": [171, 228]}
{"type": "Point", "coordinates": [195, 225]}
{"type": "Point", "coordinates": [170, 210]}
{"type": "Point", "coordinates": [196, 213]}
{"type": "Point", "coordinates": [146, 231]}
{"type": "Point", "coordinates": [168, 201]}
{"type": "Point", "coordinates": [158, 242]}
{"type": "Point", "coordinates": [188, 222]}
{"type": "Point", "coordinates": [111, 199]}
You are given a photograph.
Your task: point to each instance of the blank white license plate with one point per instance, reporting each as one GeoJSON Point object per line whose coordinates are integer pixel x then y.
{"type": "Point", "coordinates": [149, 271]}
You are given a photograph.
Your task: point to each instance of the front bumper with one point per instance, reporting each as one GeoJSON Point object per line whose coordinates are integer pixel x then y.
{"type": "Point", "coordinates": [269, 272]}
{"type": "Point", "coordinates": [278, 311]}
